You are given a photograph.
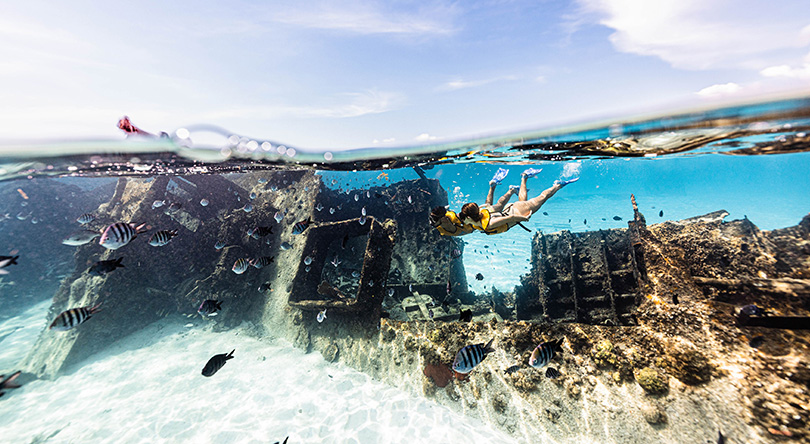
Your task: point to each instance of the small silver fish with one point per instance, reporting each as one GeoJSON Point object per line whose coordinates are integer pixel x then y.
{"type": "Point", "coordinates": [363, 220]}
{"type": "Point", "coordinates": [219, 245]}
{"type": "Point", "coordinates": [278, 217]}
{"type": "Point", "coordinates": [319, 207]}
{"type": "Point", "coordinates": [355, 274]}
{"type": "Point", "coordinates": [204, 202]}
{"type": "Point", "coordinates": [363, 211]}
{"type": "Point", "coordinates": [308, 260]}
{"type": "Point", "coordinates": [158, 204]}
{"type": "Point", "coordinates": [331, 211]}
{"type": "Point", "coordinates": [390, 292]}
{"type": "Point", "coordinates": [285, 246]}
{"type": "Point", "coordinates": [80, 237]}
{"type": "Point", "coordinates": [252, 196]}
{"type": "Point", "coordinates": [321, 315]}
{"type": "Point", "coordinates": [247, 208]}
{"type": "Point", "coordinates": [410, 201]}
{"type": "Point", "coordinates": [356, 197]}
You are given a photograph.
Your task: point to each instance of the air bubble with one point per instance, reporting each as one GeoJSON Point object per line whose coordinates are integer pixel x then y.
{"type": "Point", "coordinates": [327, 156]}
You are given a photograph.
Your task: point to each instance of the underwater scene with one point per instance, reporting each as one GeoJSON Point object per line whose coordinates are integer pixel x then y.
{"type": "Point", "coordinates": [638, 281]}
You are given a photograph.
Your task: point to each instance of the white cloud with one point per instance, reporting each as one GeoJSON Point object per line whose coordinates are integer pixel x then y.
{"type": "Point", "coordinates": [801, 72]}
{"type": "Point", "coordinates": [424, 137]}
{"type": "Point", "coordinates": [720, 90]}
{"type": "Point", "coordinates": [348, 105]}
{"type": "Point", "coordinates": [369, 18]}
{"type": "Point", "coordinates": [696, 34]}
{"type": "Point", "coordinates": [454, 85]}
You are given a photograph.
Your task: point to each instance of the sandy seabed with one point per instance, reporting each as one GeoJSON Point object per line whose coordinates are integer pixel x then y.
{"type": "Point", "coordinates": [148, 388]}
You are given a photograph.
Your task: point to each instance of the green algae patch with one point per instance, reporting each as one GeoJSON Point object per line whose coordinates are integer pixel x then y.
{"type": "Point", "coordinates": [652, 381]}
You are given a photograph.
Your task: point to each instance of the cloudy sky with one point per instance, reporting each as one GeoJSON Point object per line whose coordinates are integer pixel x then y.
{"type": "Point", "coordinates": [336, 74]}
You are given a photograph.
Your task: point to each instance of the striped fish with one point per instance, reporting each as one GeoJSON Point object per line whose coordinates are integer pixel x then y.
{"type": "Point", "coordinates": [214, 364]}
{"type": "Point", "coordinates": [544, 352]}
{"type": "Point", "coordinates": [470, 356]}
{"type": "Point", "coordinates": [119, 234]}
{"type": "Point", "coordinates": [240, 266]}
{"type": "Point", "coordinates": [299, 227]}
{"type": "Point", "coordinates": [162, 238]}
{"type": "Point", "coordinates": [261, 261]}
{"type": "Point", "coordinates": [73, 317]}
{"type": "Point", "coordinates": [85, 218]}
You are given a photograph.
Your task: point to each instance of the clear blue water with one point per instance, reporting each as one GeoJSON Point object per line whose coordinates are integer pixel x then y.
{"type": "Point", "coordinates": [771, 190]}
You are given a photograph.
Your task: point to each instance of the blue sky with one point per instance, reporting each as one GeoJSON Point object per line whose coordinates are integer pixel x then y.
{"type": "Point", "coordinates": [333, 74]}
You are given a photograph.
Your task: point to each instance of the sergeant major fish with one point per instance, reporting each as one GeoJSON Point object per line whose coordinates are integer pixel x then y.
{"type": "Point", "coordinates": [257, 232]}
{"type": "Point", "coordinates": [119, 234]}
{"type": "Point", "coordinates": [470, 356]}
{"type": "Point", "coordinates": [261, 261]}
{"type": "Point", "coordinates": [162, 238]}
{"type": "Point", "coordinates": [299, 227]}
{"type": "Point", "coordinates": [73, 317]}
{"type": "Point", "coordinates": [544, 352]}
{"type": "Point", "coordinates": [215, 363]}
{"type": "Point", "coordinates": [240, 266]}
{"type": "Point", "coordinates": [209, 307]}
{"type": "Point", "coordinates": [101, 268]}
{"type": "Point", "coordinates": [85, 218]}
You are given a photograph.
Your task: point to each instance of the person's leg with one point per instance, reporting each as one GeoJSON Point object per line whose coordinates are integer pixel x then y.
{"type": "Point", "coordinates": [503, 200]}
{"type": "Point", "coordinates": [524, 192]}
{"type": "Point", "coordinates": [491, 193]}
{"type": "Point", "coordinates": [535, 203]}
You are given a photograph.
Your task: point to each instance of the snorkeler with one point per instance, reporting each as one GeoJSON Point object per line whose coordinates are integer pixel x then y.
{"type": "Point", "coordinates": [448, 222]}
{"type": "Point", "coordinates": [494, 222]}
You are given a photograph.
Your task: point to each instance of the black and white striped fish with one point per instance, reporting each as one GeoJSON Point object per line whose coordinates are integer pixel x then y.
{"type": "Point", "coordinates": [73, 317]}
{"type": "Point", "coordinates": [85, 218]}
{"type": "Point", "coordinates": [162, 238]}
{"type": "Point", "coordinates": [214, 364]}
{"type": "Point", "coordinates": [119, 234]}
{"type": "Point", "coordinates": [260, 262]}
{"type": "Point", "coordinates": [544, 352]}
{"type": "Point", "coordinates": [299, 227]}
{"type": "Point", "coordinates": [470, 356]}
{"type": "Point", "coordinates": [240, 266]}
{"type": "Point", "coordinates": [257, 232]}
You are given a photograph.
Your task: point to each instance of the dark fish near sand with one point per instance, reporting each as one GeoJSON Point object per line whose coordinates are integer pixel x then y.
{"type": "Point", "coordinates": [240, 266]}
{"type": "Point", "coordinates": [545, 214]}
{"type": "Point", "coordinates": [261, 262]}
{"type": "Point", "coordinates": [285, 439]}
{"type": "Point", "coordinates": [101, 268]}
{"type": "Point", "coordinates": [720, 438]}
{"type": "Point", "coordinates": [617, 218]}
{"type": "Point", "coordinates": [209, 307]}
{"type": "Point", "coordinates": [552, 373]}
{"type": "Point", "coordinates": [73, 317]}
{"type": "Point", "coordinates": [85, 218]}
{"type": "Point", "coordinates": [8, 383]}
{"type": "Point", "coordinates": [544, 352]}
{"type": "Point", "coordinates": [470, 356]}
{"type": "Point", "coordinates": [661, 213]}
{"type": "Point", "coordinates": [344, 242]}
{"type": "Point", "coordinates": [756, 341]}
{"type": "Point", "coordinates": [479, 277]}
{"type": "Point", "coordinates": [257, 232]}
{"type": "Point", "coordinates": [264, 287]}
{"type": "Point", "coordinates": [5, 261]}
{"type": "Point", "coordinates": [214, 364]}
{"type": "Point", "coordinates": [162, 238]}
{"type": "Point", "coordinates": [512, 369]}
{"type": "Point", "coordinates": [80, 237]}
{"type": "Point", "coordinates": [299, 227]}
{"type": "Point", "coordinates": [465, 315]}
{"type": "Point", "coordinates": [585, 222]}
{"type": "Point", "coordinates": [119, 234]}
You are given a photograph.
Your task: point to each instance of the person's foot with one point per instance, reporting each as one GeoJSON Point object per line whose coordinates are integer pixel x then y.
{"type": "Point", "coordinates": [531, 172]}
{"type": "Point", "coordinates": [499, 176]}
{"type": "Point", "coordinates": [565, 182]}
{"type": "Point", "coordinates": [513, 187]}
